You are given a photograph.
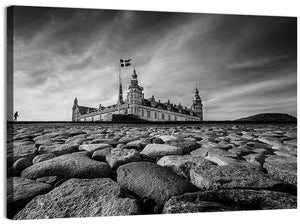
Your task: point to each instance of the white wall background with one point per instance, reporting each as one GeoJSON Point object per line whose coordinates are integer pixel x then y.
{"type": "Point", "coordinates": [250, 7]}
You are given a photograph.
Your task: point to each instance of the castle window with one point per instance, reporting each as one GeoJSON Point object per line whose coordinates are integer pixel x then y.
{"type": "Point", "coordinates": [126, 111]}
{"type": "Point", "coordinates": [155, 114]}
{"type": "Point", "coordinates": [148, 113]}
{"type": "Point", "coordinates": [169, 117]}
{"type": "Point", "coordinates": [175, 118]}
{"type": "Point", "coordinates": [142, 113]}
{"type": "Point", "coordinates": [163, 116]}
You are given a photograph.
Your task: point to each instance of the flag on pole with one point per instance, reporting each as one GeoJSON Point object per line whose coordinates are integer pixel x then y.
{"type": "Point", "coordinates": [125, 63]}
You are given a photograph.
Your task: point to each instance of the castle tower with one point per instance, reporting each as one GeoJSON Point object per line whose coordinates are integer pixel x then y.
{"type": "Point", "coordinates": [75, 104]}
{"type": "Point", "coordinates": [169, 106]}
{"type": "Point", "coordinates": [135, 94]}
{"type": "Point", "coordinates": [152, 101]}
{"type": "Point", "coordinates": [180, 108]}
{"type": "Point", "coordinates": [197, 105]}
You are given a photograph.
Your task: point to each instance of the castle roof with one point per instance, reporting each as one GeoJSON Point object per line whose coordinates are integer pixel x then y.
{"type": "Point", "coordinates": [163, 106]}
{"type": "Point", "coordinates": [85, 110]}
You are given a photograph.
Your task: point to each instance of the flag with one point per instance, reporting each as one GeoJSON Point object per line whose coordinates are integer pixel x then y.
{"type": "Point", "coordinates": [125, 63]}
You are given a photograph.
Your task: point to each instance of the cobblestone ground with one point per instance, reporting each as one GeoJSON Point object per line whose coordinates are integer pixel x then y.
{"type": "Point", "coordinates": [65, 170]}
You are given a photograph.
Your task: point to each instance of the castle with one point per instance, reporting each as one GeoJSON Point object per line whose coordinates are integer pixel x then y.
{"type": "Point", "coordinates": [136, 105]}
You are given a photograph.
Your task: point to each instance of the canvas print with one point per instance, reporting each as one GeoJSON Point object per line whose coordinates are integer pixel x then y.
{"type": "Point", "coordinates": [117, 113]}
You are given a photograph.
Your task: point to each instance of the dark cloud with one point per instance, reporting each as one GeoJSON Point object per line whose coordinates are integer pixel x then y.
{"type": "Point", "coordinates": [241, 64]}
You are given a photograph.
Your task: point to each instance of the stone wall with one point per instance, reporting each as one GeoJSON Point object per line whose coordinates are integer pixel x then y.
{"type": "Point", "coordinates": [143, 112]}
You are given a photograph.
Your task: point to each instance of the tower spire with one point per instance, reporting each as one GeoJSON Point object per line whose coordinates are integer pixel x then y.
{"type": "Point", "coordinates": [196, 90]}
{"type": "Point", "coordinates": [75, 101]}
{"type": "Point", "coordinates": [134, 75]}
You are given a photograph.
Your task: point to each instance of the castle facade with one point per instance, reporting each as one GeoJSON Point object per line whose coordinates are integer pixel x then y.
{"type": "Point", "coordinates": [144, 109]}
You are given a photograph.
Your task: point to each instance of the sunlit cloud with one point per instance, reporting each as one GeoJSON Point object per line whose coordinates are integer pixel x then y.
{"type": "Point", "coordinates": [256, 62]}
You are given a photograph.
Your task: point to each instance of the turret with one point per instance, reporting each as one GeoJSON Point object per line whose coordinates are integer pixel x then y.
{"type": "Point", "coordinates": [135, 94]}
{"type": "Point", "coordinates": [134, 81]}
{"type": "Point", "coordinates": [169, 106]}
{"type": "Point", "coordinates": [197, 105]}
{"type": "Point", "coordinates": [153, 103]}
{"type": "Point", "coordinates": [75, 105]}
{"type": "Point", "coordinates": [180, 108]}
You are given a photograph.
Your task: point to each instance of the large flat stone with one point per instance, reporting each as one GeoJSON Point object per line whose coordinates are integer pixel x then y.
{"type": "Point", "coordinates": [224, 161]}
{"type": "Point", "coordinates": [181, 165]}
{"type": "Point", "coordinates": [207, 144]}
{"type": "Point", "coordinates": [25, 136]}
{"type": "Point", "coordinates": [78, 139]}
{"type": "Point", "coordinates": [205, 151]}
{"type": "Point", "coordinates": [18, 152]}
{"type": "Point", "coordinates": [230, 200]}
{"type": "Point", "coordinates": [49, 180]}
{"type": "Point", "coordinates": [167, 138]}
{"type": "Point", "coordinates": [152, 181]}
{"type": "Point", "coordinates": [137, 144]}
{"type": "Point", "coordinates": [100, 155]}
{"type": "Point", "coordinates": [272, 141]}
{"type": "Point", "coordinates": [81, 198]}
{"type": "Point", "coordinates": [58, 150]}
{"type": "Point", "coordinates": [255, 159]}
{"type": "Point", "coordinates": [241, 151]}
{"type": "Point", "coordinates": [118, 157]}
{"type": "Point", "coordinates": [94, 147]}
{"type": "Point", "coordinates": [282, 167]}
{"type": "Point", "coordinates": [20, 191]}
{"type": "Point", "coordinates": [217, 177]}
{"type": "Point", "coordinates": [68, 166]}
{"type": "Point", "coordinates": [159, 150]}
{"type": "Point", "coordinates": [291, 134]}
{"type": "Point", "coordinates": [47, 136]}
{"type": "Point", "coordinates": [185, 146]}
{"type": "Point", "coordinates": [45, 142]}
{"type": "Point", "coordinates": [17, 144]}
{"type": "Point", "coordinates": [43, 157]}
{"type": "Point", "coordinates": [20, 165]}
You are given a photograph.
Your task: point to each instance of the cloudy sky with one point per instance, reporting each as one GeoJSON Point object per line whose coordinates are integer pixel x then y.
{"type": "Point", "coordinates": [242, 65]}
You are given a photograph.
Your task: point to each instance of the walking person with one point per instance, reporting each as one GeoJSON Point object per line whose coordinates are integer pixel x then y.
{"type": "Point", "coordinates": [16, 115]}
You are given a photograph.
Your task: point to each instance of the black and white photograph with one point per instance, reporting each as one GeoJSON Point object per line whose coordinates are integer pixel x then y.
{"type": "Point", "coordinates": [115, 112]}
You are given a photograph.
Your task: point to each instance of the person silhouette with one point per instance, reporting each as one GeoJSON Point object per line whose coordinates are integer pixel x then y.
{"type": "Point", "coordinates": [16, 115]}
